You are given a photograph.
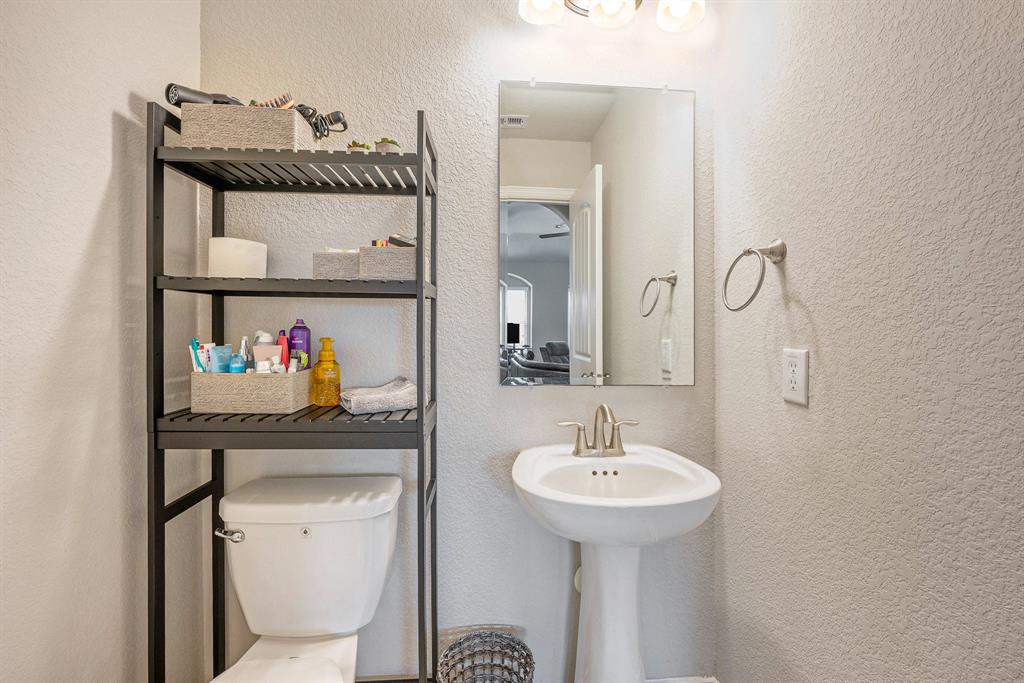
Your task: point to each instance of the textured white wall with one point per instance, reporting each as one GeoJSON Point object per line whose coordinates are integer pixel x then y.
{"type": "Point", "coordinates": [877, 535]}
{"type": "Point", "coordinates": [544, 163]}
{"type": "Point", "coordinates": [894, 128]}
{"type": "Point", "coordinates": [380, 62]}
{"type": "Point", "coordinates": [646, 147]}
{"type": "Point", "coordinates": [76, 77]}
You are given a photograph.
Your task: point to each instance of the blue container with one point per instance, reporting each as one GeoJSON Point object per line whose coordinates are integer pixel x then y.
{"type": "Point", "coordinates": [237, 363]}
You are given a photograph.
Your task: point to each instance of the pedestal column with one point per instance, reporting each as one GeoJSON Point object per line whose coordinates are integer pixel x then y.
{"type": "Point", "coordinates": [608, 648]}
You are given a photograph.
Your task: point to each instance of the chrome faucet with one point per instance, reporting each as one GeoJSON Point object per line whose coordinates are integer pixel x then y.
{"type": "Point", "coordinates": [602, 416]}
{"type": "Point", "coordinates": [599, 447]}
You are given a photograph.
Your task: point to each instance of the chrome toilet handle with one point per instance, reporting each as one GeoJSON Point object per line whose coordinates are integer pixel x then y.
{"type": "Point", "coordinates": [233, 535]}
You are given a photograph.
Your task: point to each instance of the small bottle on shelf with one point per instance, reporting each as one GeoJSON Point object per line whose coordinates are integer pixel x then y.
{"type": "Point", "coordinates": [299, 340]}
{"type": "Point", "coordinates": [325, 389]}
{"type": "Point", "coordinates": [282, 341]}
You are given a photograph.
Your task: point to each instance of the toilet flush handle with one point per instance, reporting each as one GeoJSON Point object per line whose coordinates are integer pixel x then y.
{"type": "Point", "coordinates": [233, 535]}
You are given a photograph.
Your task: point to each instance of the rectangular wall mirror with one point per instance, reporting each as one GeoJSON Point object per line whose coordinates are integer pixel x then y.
{"type": "Point", "coordinates": [595, 281]}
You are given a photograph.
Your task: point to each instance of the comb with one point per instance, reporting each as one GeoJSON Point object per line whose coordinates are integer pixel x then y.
{"type": "Point", "coordinates": [284, 101]}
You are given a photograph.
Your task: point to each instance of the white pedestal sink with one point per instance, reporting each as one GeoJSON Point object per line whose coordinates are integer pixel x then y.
{"type": "Point", "coordinates": [612, 506]}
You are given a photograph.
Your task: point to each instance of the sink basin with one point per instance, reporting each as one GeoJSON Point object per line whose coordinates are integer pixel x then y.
{"type": "Point", "coordinates": [643, 497]}
{"type": "Point", "coordinates": [613, 506]}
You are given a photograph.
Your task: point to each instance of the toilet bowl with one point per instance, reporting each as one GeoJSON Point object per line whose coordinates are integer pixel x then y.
{"type": "Point", "coordinates": [331, 659]}
{"type": "Point", "coordinates": [309, 568]}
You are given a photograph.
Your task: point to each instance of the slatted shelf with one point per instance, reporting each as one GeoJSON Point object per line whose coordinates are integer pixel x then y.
{"type": "Point", "coordinates": [295, 287]}
{"type": "Point", "coordinates": [282, 170]}
{"type": "Point", "coordinates": [311, 427]}
{"type": "Point", "coordinates": [304, 171]}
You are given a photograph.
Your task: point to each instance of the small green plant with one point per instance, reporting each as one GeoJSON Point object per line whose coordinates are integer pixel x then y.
{"type": "Point", "coordinates": [387, 141]}
{"type": "Point", "coordinates": [355, 144]}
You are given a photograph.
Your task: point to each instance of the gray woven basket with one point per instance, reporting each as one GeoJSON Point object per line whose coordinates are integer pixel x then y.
{"type": "Point", "coordinates": [387, 263]}
{"type": "Point", "coordinates": [232, 127]}
{"type": "Point", "coordinates": [486, 657]}
{"type": "Point", "coordinates": [335, 265]}
{"type": "Point", "coordinates": [223, 392]}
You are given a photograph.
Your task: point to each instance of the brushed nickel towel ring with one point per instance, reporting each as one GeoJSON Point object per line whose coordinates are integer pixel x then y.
{"type": "Point", "coordinates": [774, 252]}
{"type": "Point", "coordinates": [670, 279]}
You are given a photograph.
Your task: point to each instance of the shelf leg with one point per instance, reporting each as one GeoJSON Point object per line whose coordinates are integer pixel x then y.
{"type": "Point", "coordinates": [217, 472]}
{"type": "Point", "coordinates": [157, 567]}
{"type": "Point", "coordinates": [217, 571]}
{"type": "Point", "coordinates": [433, 556]}
{"type": "Point", "coordinates": [421, 478]}
{"type": "Point", "coordinates": [433, 399]}
{"type": "Point", "coordinates": [421, 548]}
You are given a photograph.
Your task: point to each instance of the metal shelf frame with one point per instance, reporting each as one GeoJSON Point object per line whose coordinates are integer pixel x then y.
{"type": "Point", "coordinates": [411, 175]}
{"type": "Point", "coordinates": [297, 287]}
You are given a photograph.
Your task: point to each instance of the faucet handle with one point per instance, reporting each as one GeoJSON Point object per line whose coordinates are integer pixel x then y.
{"type": "Point", "coordinates": [580, 444]}
{"type": "Point", "coordinates": [616, 444]}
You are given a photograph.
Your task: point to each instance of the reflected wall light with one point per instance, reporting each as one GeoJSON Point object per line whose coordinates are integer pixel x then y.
{"type": "Point", "coordinates": [674, 16]}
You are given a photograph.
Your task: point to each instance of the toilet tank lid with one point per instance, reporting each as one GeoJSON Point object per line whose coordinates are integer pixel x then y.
{"type": "Point", "coordinates": [301, 500]}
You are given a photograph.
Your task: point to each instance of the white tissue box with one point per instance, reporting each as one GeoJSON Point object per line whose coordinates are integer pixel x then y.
{"type": "Point", "coordinates": [233, 257]}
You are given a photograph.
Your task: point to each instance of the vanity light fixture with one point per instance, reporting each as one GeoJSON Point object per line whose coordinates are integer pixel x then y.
{"type": "Point", "coordinates": [674, 16]}
{"type": "Point", "coordinates": [608, 13]}
{"type": "Point", "coordinates": [542, 12]}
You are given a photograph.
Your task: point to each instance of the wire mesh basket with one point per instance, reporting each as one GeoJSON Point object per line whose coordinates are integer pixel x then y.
{"type": "Point", "coordinates": [486, 657]}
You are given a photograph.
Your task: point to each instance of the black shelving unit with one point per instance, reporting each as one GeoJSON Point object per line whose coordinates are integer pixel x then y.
{"type": "Point", "coordinates": [238, 170]}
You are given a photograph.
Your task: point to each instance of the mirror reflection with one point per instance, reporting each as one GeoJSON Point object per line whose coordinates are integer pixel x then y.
{"type": "Point", "coordinates": [595, 235]}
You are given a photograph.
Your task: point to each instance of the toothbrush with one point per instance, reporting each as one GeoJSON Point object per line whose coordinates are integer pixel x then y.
{"type": "Point", "coordinates": [197, 365]}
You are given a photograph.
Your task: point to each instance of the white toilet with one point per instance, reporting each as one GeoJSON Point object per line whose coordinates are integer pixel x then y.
{"type": "Point", "coordinates": [309, 568]}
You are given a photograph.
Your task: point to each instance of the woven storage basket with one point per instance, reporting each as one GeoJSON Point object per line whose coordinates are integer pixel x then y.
{"type": "Point", "coordinates": [334, 265]}
{"type": "Point", "coordinates": [486, 657]}
{"type": "Point", "coordinates": [234, 127]}
{"type": "Point", "coordinates": [224, 392]}
{"type": "Point", "coordinates": [387, 263]}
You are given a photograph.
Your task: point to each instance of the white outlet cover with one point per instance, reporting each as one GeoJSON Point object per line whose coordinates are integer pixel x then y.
{"type": "Point", "coordinates": [794, 376]}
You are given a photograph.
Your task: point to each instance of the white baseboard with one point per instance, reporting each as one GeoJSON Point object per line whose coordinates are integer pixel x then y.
{"type": "Point", "coordinates": [684, 679]}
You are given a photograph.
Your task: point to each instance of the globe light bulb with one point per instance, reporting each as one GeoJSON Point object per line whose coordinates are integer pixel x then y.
{"type": "Point", "coordinates": [541, 12]}
{"type": "Point", "coordinates": [676, 16]}
{"type": "Point", "coordinates": [611, 13]}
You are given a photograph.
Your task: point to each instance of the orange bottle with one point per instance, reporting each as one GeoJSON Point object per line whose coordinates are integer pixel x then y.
{"type": "Point", "coordinates": [325, 389]}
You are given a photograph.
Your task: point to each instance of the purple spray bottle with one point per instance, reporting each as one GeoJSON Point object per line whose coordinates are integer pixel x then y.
{"type": "Point", "coordinates": [299, 340]}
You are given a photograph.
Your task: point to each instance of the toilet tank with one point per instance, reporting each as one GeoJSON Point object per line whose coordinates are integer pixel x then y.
{"type": "Point", "coordinates": [316, 551]}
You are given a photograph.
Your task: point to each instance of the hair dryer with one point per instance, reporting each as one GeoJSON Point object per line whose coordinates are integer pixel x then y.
{"type": "Point", "coordinates": [179, 94]}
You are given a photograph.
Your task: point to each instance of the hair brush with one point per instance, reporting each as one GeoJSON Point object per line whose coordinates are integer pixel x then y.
{"type": "Point", "coordinates": [284, 101]}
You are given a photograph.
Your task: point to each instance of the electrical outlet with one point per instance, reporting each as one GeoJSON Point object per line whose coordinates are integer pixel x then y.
{"type": "Point", "coordinates": [666, 355]}
{"type": "Point", "coordinates": [794, 376]}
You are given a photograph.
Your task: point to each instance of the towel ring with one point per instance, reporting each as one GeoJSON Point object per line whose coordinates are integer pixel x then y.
{"type": "Point", "coordinates": [774, 252]}
{"type": "Point", "coordinates": [670, 279]}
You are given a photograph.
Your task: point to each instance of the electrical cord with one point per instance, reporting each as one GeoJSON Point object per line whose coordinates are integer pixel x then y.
{"type": "Point", "coordinates": [321, 123]}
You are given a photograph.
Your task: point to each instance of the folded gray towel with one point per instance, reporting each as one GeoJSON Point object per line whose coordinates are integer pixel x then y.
{"type": "Point", "coordinates": [398, 394]}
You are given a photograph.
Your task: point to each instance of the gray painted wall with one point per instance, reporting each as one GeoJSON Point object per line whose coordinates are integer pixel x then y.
{"type": "Point", "coordinates": [550, 299]}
